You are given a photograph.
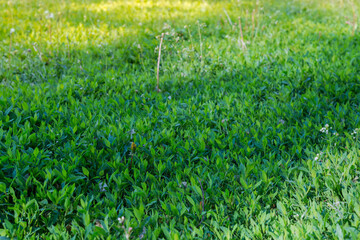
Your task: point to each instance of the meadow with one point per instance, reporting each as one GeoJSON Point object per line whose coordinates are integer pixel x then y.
{"type": "Point", "coordinates": [250, 130]}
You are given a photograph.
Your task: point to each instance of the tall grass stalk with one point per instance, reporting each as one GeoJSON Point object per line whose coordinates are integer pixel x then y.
{"type": "Point", "coordinates": [37, 51]}
{"type": "Point", "coordinates": [201, 51]}
{"type": "Point", "coordinates": [49, 30]}
{"type": "Point", "coordinates": [228, 17]}
{"type": "Point", "coordinates": [242, 42]}
{"type": "Point", "coordinates": [158, 64]}
{"type": "Point", "coordinates": [10, 46]}
{"type": "Point", "coordinates": [253, 23]}
{"type": "Point", "coordinates": [67, 37]}
{"type": "Point", "coordinates": [355, 20]}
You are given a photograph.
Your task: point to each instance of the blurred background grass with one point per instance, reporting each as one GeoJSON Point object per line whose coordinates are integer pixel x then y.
{"type": "Point", "coordinates": [126, 31]}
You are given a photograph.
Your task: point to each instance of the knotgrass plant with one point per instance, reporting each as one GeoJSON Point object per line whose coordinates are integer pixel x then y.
{"type": "Point", "coordinates": [261, 144]}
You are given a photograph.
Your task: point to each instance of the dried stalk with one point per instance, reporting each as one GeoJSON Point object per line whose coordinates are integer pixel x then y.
{"type": "Point", "coordinates": [37, 51]}
{"type": "Point", "coordinates": [354, 18]}
{"type": "Point", "coordinates": [49, 31]}
{"type": "Point", "coordinates": [10, 46]}
{"type": "Point", "coordinates": [253, 22]}
{"type": "Point", "coordinates": [228, 17]}
{"type": "Point", "coordinates": [201, 52]}
{"type": "Point", "coordinates": [243, 45]}
{"type": "Point", "coordinates": [158, 64]}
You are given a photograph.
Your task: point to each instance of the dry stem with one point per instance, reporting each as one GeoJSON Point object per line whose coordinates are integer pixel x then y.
{"type": "Point", "coordinates": [243, 45]}
{"type": "Point", "coordinates": [158, 64]}
{"type": "Point", "coordinates": [10, 50]}
{"type": "Point", "coordinates": [253, 23]}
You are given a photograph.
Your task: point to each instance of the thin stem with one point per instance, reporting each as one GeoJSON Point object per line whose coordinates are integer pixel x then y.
{"type": "Point", "coordinates": [38, 52]}
{"type": "Point", "coordinates": [49, 27]}
{"type": "Point", "coordinates": [228, 17]}
{"type": "Point", "coordinates": [10, 50]}
{"type": "Point", "coordinates": [247, 27]}
{"type": "Point", "coordinates": [131, 161]}
{"type": "Point", "coordinates": [354, 18]}
{"type": "Point", "coordinates": [243, 45]}
{"type": "Point", "coordinates": [253, 22]}
{"type": "Point", "coordinates": [203, 202]}
{"type": "Point", "coordinates": [201, 52]}
{"type": "Point", "coordinates": [68, 47]}
{"type": "Point", "coordinates": [192, 45]}
{"type": "Point", "coordinates": [158, 63]}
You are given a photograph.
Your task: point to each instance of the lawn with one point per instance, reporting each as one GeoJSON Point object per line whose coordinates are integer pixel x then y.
{"type": "Point", "coordinates": [250, 130]}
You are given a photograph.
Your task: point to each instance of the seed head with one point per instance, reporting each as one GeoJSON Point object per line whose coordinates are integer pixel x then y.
{"type": "Point", "coordinates": [133, 147]}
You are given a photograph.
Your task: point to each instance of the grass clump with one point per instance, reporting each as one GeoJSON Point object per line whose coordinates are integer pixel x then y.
{"type": "Point", "coordinates": [254, 134]}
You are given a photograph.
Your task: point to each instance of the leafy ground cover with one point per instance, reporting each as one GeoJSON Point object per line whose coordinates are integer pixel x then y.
{"type": "Point", "coordinates": [253, 135]}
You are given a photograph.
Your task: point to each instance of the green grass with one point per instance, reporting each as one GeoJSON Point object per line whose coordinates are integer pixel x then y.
{"type": "Point", "coordinates": [255, 143]}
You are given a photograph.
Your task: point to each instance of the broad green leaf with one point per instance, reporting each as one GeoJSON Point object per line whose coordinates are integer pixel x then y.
{"type": "Point", "coordinates": [85, 171]}
{"type": "Point", "coordinates": [2, 187]}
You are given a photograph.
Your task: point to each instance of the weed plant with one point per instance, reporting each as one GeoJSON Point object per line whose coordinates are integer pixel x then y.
{"type": "Point", "coordinates": [252, 136]}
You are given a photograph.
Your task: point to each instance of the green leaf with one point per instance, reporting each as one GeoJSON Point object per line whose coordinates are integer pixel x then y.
{"type": "Point", "coordinates": [339, 232]}
{"type": "Point", "coordinates": [2, 187]}
{"type": "Point", "coordinates": [86, 219]}
{"type": "Point", "coordinates": [281, 207]}
{"type": "Point", "coordinates": [139, 212]}
{"type": "Point", "coordinates": [243, 183]}
{"type": "Point", "coordinates": [190, 200]}
{"type": "Point", "coordinates": [36, 152]}
{"type": "Point", "coordinates": [85, 171]}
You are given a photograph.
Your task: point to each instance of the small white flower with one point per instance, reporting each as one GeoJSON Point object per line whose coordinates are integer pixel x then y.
{"type": "Point", "coordinates": [102, 186]}
{"type": "Point", "coordinates": [132, 132]}
{"type": "Point", "coordinates": [141, 236]}
{"type": "Point", "coordinates": [121, 220]}
{"type": "Point", "coordinates": [50, 16]}
{"type": "Point", "coordinates": [316, 158]}
{"type": "Point", "coordinates": [12, 31]}
{"type": "Point", "coordinates": [169, 97]}
{"type": "Point", "coordinates": [327, 125]}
